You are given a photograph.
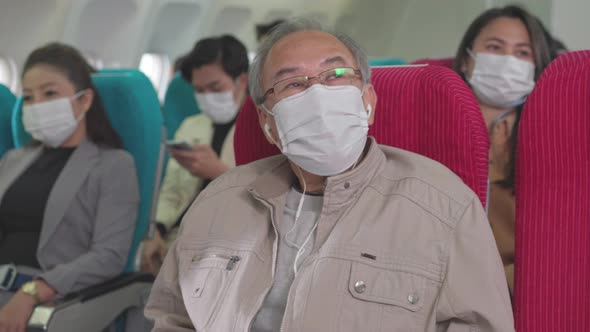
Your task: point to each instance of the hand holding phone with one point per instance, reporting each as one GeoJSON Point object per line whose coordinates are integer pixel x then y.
{"type": "Point", "coordinates": [179, 145]}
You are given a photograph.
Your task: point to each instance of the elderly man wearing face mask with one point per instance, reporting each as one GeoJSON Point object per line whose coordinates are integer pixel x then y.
{"type": "Point", "coordinates": [338, 233]}
{"type": "Point", "coordinates": [203, 149]}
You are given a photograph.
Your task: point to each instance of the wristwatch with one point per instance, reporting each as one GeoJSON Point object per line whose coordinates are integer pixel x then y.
{"type": "Point", "coordinates": [30, 288]}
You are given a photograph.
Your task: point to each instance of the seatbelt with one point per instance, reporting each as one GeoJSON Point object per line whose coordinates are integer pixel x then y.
{"type": "Point", "coordinates": [11, 279]}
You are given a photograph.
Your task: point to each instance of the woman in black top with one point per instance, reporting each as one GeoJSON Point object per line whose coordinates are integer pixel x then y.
{"type": "Point", "coordinates": [68, 201]}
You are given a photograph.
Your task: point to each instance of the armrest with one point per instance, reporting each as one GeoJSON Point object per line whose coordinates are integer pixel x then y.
{"type": "Point", "coordinates": [93, 308]}
{"type": "Point", "coordinates": [123, 280]}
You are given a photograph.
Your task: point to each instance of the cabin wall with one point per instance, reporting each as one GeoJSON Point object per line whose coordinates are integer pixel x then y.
{"type": "Point", "coordinates": [412, 29]}
{"type": "Point", "coordinates": [26, 24]}
{"type": "Point", "coordinates": [118, 32]}
{"type": "Point", "coordinates": [569, 19]}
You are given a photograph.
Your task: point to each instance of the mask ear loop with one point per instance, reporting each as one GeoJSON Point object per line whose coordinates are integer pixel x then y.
{"type": "Point", "coordinates": [369, 108]}
{"type": "Point", "coordinates": [76, 96]}
{"type": "Point", "coordinates": [267, 132]}
{"type": "Point", "coordinates": [266, 126]}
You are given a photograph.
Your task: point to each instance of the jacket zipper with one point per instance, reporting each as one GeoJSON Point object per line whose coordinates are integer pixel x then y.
{"type": "Point", "coordinates": [291, 287]}
{"type": "Point", "coordinates": [232, 260]}
{"type": "Point", "coordinates": [274, 257]}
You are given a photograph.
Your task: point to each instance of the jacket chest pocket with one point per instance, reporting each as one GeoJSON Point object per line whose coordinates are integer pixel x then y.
{"type": "Point", "coordinates": [380, 299]}
{"type": "Point", "coordinates": [204, 281]}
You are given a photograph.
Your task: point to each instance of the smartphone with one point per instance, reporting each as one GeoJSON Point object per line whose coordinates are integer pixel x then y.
{"type": "Point", "coordinates": [179, 145]}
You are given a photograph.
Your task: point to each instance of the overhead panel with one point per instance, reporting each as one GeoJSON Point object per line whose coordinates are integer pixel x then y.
{"type": "Point", "coordinates": [106, 27]}
{"type": "Point", "coordinates": [176, 28]}
{"type": "Point", "coordinates": [233, 20]}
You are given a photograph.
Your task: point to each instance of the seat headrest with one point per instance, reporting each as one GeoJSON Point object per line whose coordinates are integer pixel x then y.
{"type": "Point", "coordinates": [443, 62]}
{"type": "Point", "coordinates": [429, 110]}
{"type": "Point", "coordinates": [377, 62]}
{"type": "Point", "coordinates": [7, 100]}
{"type": "Point", "coordinates": [179, 104]}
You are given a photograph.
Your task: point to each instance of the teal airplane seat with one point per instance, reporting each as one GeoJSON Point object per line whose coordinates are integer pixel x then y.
{"type": "Point", "coordinates": [179, 103]}
{"type": "Point", "coordinates": [7, 100]}
{"type": "Point", "coordinates": [380, 62]}
{"type": "Point", "coordinates": [134, 111]}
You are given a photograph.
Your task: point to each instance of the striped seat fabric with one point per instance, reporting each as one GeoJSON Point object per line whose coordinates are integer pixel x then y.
{"type": "Point", "coordinates": [552, 275]}
{"type": "Point", "coordinates": [249, 141]}
{"type": "Point", "coordinates": [430, 111]}
{"type": "Point", "coordinates": [425, 109]}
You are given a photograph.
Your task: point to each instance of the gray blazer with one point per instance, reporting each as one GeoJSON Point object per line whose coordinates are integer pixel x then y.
{"type": "Point", "coordinates": [89, 219]}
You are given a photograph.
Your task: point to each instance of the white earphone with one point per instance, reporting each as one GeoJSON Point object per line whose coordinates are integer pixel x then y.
{"type": "Point", "coordinates": [267, 133]}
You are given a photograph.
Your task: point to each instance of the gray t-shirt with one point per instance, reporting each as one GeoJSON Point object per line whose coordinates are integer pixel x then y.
{"type": "Point", "coordinates": [291, 236]}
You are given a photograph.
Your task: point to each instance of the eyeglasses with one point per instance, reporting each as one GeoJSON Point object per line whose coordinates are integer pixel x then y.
{"type": "Point", "coordinates": [333, 77]}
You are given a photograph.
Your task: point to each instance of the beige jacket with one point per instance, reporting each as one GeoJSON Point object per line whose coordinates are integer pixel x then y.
{"type": "Point", "coordinates": [402, 245]}
{"type": "Point", "coordinates": [180, 187]}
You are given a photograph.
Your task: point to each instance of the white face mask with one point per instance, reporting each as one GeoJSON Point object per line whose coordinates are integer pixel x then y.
{"type": "Point", "coordinates": [219, 106]}
{"type": "Point", "coordinates": [501, 81]}
{"type": "Point", "coordinates": [51, 122]}
{"type": "Point", "coordinates": [323, 129]}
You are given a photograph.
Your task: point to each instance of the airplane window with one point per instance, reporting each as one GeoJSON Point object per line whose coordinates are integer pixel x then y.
{"type": "Point", "coordinates": [94, 61]}
{"type": "Point", "coordinates": [232, 19]}
{"type": "Point", "coordinates": [157, 68]}
{"type": "Point", "coordinates": [9, 74]}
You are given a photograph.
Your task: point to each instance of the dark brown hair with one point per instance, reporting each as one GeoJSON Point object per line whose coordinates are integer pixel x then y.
{"type": "Point", "coordinates": [225, 50]}
{"type": "Point", "coordinates": [72, 64]}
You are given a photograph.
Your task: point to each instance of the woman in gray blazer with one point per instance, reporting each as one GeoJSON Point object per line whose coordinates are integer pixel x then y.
{"type": "Point", "coordinates": [68, 202]}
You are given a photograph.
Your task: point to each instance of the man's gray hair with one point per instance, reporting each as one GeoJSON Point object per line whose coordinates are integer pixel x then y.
{"type": "Point", "coordinates": [291, 26]}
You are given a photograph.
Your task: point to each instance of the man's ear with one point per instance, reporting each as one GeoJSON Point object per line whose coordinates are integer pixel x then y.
{"type": "Point", "coordinates": [263, 122]}
{"type": "Point", "coordinates": [370, 102]}
{"type": "Point", "coordinates": [243, 81]}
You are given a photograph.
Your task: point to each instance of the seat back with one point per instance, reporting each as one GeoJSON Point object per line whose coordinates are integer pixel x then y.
{"type": "Point", "coordinates": [179, 104]}
{"type": "Point", "coordinates": [250, 144]}
{"type": "Point", "coordinates": [552, 267]}
{"type": "Point", "coordinates": [133, 109]}
{"type": "Point", "coordinates": [430, 111]}
{"type": "Point", "coordinates": [7, 100]}
{"type": "Point", "coordinates": [425, 109]}
{"type": "Point", "coordinates": [20, 137]}
{"type": "Point", "coordinates": [443, 62]}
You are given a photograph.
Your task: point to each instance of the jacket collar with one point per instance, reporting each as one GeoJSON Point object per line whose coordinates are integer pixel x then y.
{"type": "Point", "coordinates": [339, 188]}
{"type": "Point", "coordinates": [66, 187]}
{"type": "Point", "coordinates": [15, 163]}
